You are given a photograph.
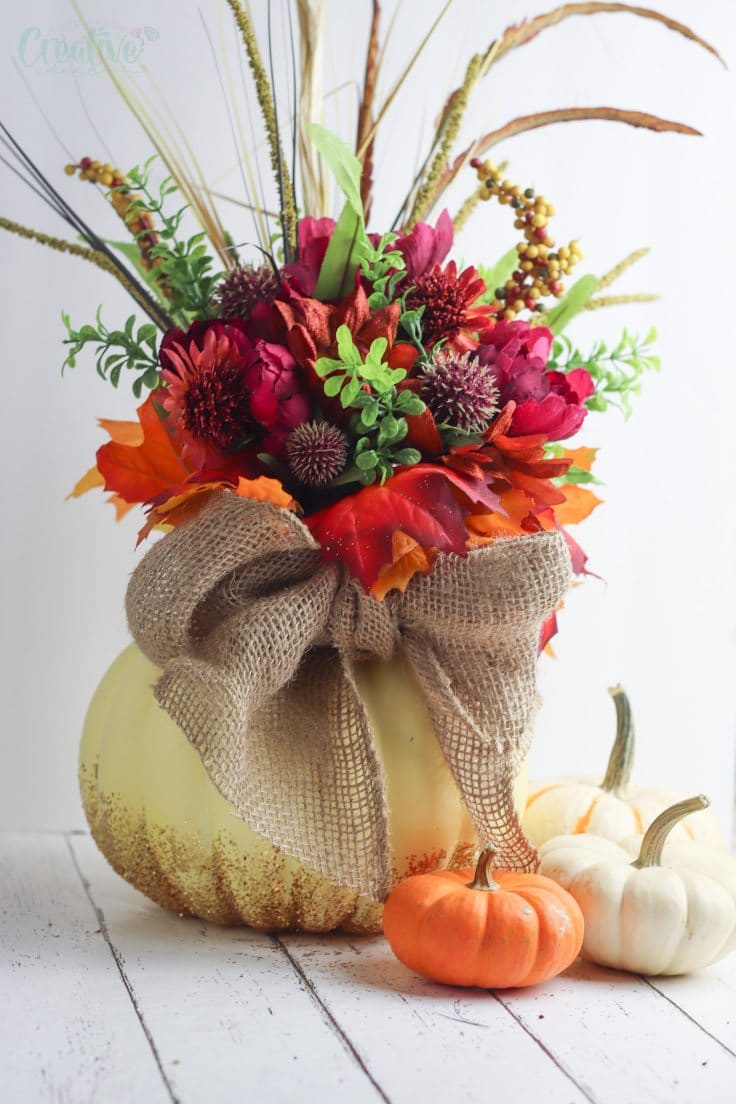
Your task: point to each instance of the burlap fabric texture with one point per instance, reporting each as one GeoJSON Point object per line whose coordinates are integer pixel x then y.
{"type": "Point", "coordinates": [237, 607]}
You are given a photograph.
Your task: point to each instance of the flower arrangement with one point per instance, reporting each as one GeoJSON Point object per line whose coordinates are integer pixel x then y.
{"type": "Point", "coordinates": [358, 447]}
{"type": "Point", "coordinates": [402, 407]}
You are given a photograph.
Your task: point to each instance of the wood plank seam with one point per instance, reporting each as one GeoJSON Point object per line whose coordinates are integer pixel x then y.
{"type": "Point", "coordinates": [329, 1018]}
{"type": "Point", "coordinates": [586, 1092]}
{"type": "Point", "coordinates": [100, 916]}
{"type": "Point", "coordinates": [689, 1017]}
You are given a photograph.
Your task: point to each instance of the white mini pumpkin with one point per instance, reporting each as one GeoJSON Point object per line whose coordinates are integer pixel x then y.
{"type": "Point", "coordinates": [671, 910]}
{"type": "Point", "coordinates": [612, 808]}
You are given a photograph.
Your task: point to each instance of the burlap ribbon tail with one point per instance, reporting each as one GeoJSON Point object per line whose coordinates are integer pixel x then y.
{"type": "Point", "coordinates": [236, 602]}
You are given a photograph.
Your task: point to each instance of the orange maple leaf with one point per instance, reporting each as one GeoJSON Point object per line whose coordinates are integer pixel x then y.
{"type": "Point", "coordinates": [188, 499]}
{"type": "Point", "coordinates": [140, 471]}
{"type": "Point", "coordinates": [123, 433]}
{"type": "Point", "coordinates": [581, 457]}
{"type": "Point", "coordinates": [579, 504]}
{"type": "Point", "coordinates": [91, 479]}
{"type": "Point", "coordinates": [409, 559]}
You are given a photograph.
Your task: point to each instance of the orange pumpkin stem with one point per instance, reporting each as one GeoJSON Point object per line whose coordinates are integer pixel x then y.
{"type": "Point", "coordinates": [656, 834]}
{"type": "Point", "coordinates": [621, 761]}
{"type": "Point", "coordinates": [483, 878]}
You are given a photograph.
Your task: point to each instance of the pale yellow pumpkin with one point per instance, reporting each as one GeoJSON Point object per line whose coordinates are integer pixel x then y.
{"type": "Point", "coordinates": [613, 808]}
{"type": "Point", "coordinates": [163, 825]}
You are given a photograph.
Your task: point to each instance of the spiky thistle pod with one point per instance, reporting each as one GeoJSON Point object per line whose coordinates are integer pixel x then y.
{"type": "Point", "coordinates": [242, 288]}
{"type": "Point", "coordinates": [317, 452]}
{"type": "Point", "coordinates": [460, 391]}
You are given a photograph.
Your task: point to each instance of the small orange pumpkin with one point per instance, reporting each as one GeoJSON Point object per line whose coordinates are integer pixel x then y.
{"type": "Point", "coordinates": [499, 930]}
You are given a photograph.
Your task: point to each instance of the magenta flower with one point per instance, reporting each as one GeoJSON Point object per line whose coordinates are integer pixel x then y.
{"type": "Point", "coordinates": [278, 392]}
{"type": "Point", "coordinates": [503, 342]}
{"type": "Point", "coordinates": [547, 402]}
{"type": "Point", "coordinates": [426, 246]}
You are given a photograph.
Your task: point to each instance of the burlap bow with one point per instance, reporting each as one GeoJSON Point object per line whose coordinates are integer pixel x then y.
{"type": "Point", "coordinates": [235, 602]}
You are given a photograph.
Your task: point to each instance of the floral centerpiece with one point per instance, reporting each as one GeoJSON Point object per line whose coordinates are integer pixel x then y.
{"type": "Point", "coordinates": [357, 449]}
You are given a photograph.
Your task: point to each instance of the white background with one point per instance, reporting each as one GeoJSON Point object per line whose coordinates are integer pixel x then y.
{"type": "Point", "coordinates": [663, 622]}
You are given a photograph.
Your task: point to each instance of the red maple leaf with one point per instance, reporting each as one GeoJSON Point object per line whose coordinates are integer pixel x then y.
{"type": "Point", "coordinates": [426, 502]}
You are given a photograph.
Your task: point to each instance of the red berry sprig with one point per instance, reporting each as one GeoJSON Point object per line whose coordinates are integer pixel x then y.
{"type": "Point", "coordinates": [140, 223]}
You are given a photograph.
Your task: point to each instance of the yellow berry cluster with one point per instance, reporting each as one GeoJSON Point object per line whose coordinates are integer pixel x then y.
{"type": "Point", "coordinates": [541, 266]}
{"type": "Point", "coordinates": [97, 173]}
{"type": "Point", "coordinates": [140, 223]}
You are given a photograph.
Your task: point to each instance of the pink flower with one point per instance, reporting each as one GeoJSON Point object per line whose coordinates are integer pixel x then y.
{"type": "Point", "coordinates": [501, 343]}
{"type": "Point", "coordinates": [313, 238]}
{"type": "Point", "coordinates": [278, 393]}
{"type": "Point", "coordinates": [547, 402]}
{"type": "Point", "coordinates": [426, 246]}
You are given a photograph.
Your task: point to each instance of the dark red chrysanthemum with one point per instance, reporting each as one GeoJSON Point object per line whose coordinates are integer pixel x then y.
{"type": "Point", "coordinates": [243, 288]}
{"type": "Point", "coordinates": [447, 300]}
{"type": "Point", "coordinates": [460, 391]}
{"type": "Point", "coordinates": [316, 452]}
{"type": "Point", "coordinates": [207, 397]}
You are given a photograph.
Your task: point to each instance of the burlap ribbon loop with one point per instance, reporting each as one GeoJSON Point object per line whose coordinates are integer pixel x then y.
{"type": "Point", "coordinates": [245, 619]}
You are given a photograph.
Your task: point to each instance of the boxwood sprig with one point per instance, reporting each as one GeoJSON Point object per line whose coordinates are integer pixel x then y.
{"type": "Point", "coordinates": [379, 425]}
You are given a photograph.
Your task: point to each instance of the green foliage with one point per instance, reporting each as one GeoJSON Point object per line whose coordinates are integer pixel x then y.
{"type": "Point", "coordinates": [496, 275]}
{"type": "Point", "coordinates": [337, 275]}
{"type": "Point", "coordinates": [572, 303]}
{"type": "Point", "coordinates": [379, 424]}
{"type": "Point", "coordinates": [148, 276]}
{"type": "Point", "coordinates": [577, 475]}
{"type": "Point", "coordinates": [186, 266]}
{"type": "Point", "coordinates": [616, 372]}
{"type": "Point", "coordinates": [349, 239]}
{"type": "Point", "coordinates": [343, 164]}
{"type": "Point", "coordinates": [346, 375]}
{"type": "Point", "coordinates": [132, 349]}
{"type": "Point", "coordinates": [410, 327]}
{"type": "Point", "coordinates": [383, 268]}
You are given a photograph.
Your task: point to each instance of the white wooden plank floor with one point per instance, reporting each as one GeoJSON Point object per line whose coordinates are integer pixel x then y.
{"type": "Point", "coordinates": [106, 999]}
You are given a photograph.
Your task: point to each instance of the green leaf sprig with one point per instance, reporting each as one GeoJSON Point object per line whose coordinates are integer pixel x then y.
{"type": "Point", "coordinates": [384, 268]}
{"type": "Point", "coordinates": [379, 424]}
{"type": "Point", "coordinates": [185, 265]}
{"type": "Point", "coordinates": [616, 372]}
{"type": "Point", "coordinates": [132, 349]}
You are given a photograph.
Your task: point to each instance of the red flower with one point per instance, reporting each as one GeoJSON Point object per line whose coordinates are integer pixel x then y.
{"type": "Point", "coordinates": [313, 238]}
{"type": "Point", "coordinates": [448, 305]}
{"type": "Point", "coordinates": [311, 327]}
{"type": "Point", "coordinates": [278, 393]}
{"type": "Point", "coordinates": [426, 246]}
{"type": "Point", "coordinates": [547, 402]}
{"type": "Point", "coordinates": [207, 397]}
{"type": "Point", "coordinates": [233, 328]}
{"type": "Point", "coordinates": [557, 407]}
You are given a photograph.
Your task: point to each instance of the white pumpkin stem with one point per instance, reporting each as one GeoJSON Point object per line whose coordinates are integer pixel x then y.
{"type": "Point", "coordinates": [650, 853]}
{"type": "Point", "coordinates": [483, 878]}
{"type": "Point", "coordinates": [621, 760]}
